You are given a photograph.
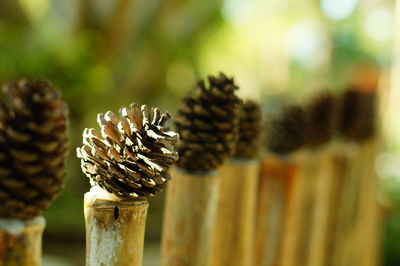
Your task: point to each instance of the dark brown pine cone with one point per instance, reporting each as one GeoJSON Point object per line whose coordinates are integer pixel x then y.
{"type": "Point", "coordinates": [288, 131]}
{"type": "Point", "coordinates": [132, 155]}
{"type": "Point", "coordinates": [322, 119]}
{"type": "Point", "coordinates": [250, 126]}
{"type": "Point", "coordinates": [368, 128]}
{"type": "Point", "coordinates": [357, 115]}
{"type": "Point", "coordinates": [207, 123]}
{"type": "Point", "coordinates": [33, 148]}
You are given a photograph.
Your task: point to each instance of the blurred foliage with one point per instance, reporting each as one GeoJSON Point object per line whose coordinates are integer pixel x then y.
{"type": "Point", "coordinates": [106, 54]}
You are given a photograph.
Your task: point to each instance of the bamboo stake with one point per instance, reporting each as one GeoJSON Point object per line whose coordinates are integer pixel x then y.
{"type": "Point", "coordinates": [319, 223]}
{"type": "Point", "coordinates": [348, 212]}
{"type": "Point", "coordinates": [341, 188]}
{"type": "Point", "coordinates": [114, 229]}
{"type": "Point", "coordinates": [189, 217]}
{"type": "Point", "coordinates": [233, 237]}
{"type": "Point", "coordinates": [21, 242]}
{"type": "Point", "coordinates": [367, 225]}
{"type": "Point", "coordinates": [275, 172]}
{"type": "Point", "coordinates": [294, 201]}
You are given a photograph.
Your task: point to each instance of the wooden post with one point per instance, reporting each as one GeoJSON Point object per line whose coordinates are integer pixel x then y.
{"type": "Point", "coordinates": [234, 231]}
{"type": "Point", "coordinates": [21, 242]}
{"type": "Point", "coordinates": [275, 171]}
{"type": "Point", "coordinates": [114, 229]}
{"type": "Point", "coordinates": [189, 218]}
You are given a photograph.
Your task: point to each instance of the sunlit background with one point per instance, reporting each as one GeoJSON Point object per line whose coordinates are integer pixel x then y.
{"type": "Point", "coordinates": [105, 54]}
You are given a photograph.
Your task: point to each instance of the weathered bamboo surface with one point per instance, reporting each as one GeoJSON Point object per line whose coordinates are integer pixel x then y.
{"type": "Point", "coordinates": [114, 230]}
{"type": "Point", "coordinates": [274, 174]}
{"type": "Point", "coordinates": [189, 219]}
{"type": "Point", "coordinates": [234, 231]}
{"type": "Point", "coordinates": [21, 242]}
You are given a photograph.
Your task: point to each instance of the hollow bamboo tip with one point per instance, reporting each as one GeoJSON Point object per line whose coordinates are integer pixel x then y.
{"type": "Point", "coordinates": [21, 242]}
{"type": "Point", "coordinates": [115, 229]}
{"type": "Point", "coordinates": [99, 198]}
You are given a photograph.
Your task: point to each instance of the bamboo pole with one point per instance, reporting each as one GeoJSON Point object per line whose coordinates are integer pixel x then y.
{"type": "Point", "coordinates": [233, 237]}
{"type": "Point", "coordinates": [114, 229]}
{"type": "Point", "coordinates": [189, 218]}
{"type": "Point", "coordinates": [275, 171]}
{"type": "Point", "coordinates": [367, 225]}
{"type": "Point", "coordinates": [21, 242]}
{"type": "Point", "coordinates": [294, 201]}
{"type": "Point", "coordinates": [340, 196]}
{"type": "Point", "coordinates": [320, 216]}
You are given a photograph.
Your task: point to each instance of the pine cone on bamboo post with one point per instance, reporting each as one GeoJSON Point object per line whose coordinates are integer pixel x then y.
{"type": "Point", "coordinates": [33, 147]}
{"type": "Point", "coordinates": [250, 128]}
{"type": "Point", "coordinates": [207, 122]}
{"type": "Point", "coordinates": [127, 163]}
{"type": "Point", "coordinates": [132, 155]}
{"type": "Point", "coordinates": [237, 193]}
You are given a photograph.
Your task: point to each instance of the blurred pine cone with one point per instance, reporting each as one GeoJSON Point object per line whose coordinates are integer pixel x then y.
{"type": "Point", "coordinates": [208, 125]}
{"type": "Point", "coordinates": [250, 127]}
{"type": "Point", "coordinates": [33, 148]}
{"type": "Point", "coordinates": [322, 119]}
{"type": "Point", "coordinates": [288, 131]}
{"type": "Point", "coordinates": [357, 115]}
{"type": "Point", "coordinates": [132, 155]}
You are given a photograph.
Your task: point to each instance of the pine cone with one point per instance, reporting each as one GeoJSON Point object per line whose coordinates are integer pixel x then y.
{"type": "Point", "coordinates": [287, 132]}
{"type": "Point", "coordinates": [322, 118]}
{"type": "Point", "coordinates": [357, 115]}
{"type": "Point", "coordinates": [250, 127]}
{"type": "Point", "coordinates": [132, 155]}
{"type": "Point", "coordinates": [368, 128]}
{"type": "Point", "coordinates": [33, 148]}
{"type": "Point", "coordinates": [208, 125]}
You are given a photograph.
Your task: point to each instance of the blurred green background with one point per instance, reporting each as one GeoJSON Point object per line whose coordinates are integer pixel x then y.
{"type": "Point", "coordinates": [105, 54]}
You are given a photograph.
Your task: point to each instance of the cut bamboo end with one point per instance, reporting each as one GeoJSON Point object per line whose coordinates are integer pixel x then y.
{"type": "Point", "coordinates": [234, 232]}
{"type": "Point", "coordinates": [115, 229]}
{"type": "Point", "coordinates": [21, 242]}
{"type": "Point", "coordinates": [189, 217]}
